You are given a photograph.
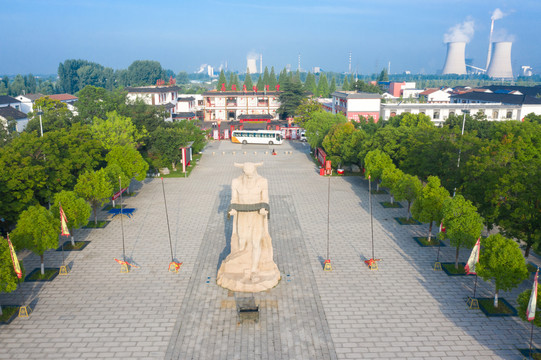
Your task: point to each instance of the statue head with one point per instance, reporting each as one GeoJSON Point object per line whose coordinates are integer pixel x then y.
{"type": "Point", "coordinates": [249, 169]}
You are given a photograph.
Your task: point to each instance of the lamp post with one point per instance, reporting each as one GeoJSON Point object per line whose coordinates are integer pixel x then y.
{"type": "Point", "coordinates": [460, 148]}
{"type": "Point", "coordinates": [40, 124]}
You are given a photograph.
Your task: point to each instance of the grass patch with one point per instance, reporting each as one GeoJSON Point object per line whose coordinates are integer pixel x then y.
{"type": "Point", "coordinates": [388, 205]}
{"type": "Point", "coordinates": [405, 221]}
{"type": "Point", "coordinates": [100, 225]}
{"type": "Point", "coordinates": [504, 308]}
{"type": "Point", "coordinates": [79, 245]}
{"type": "Point", "coordinates": [36, 275]}
{"type": "Point", "coordinates": [536, 353]}
{"type": "Point", "coordinates": [179, 174]}
{"type": "Point", "coordinates": [423, 241]}
{"type": "Point", "coordinates": [8, 313]}
{"type": "Point", "coordinates": [450, 269]}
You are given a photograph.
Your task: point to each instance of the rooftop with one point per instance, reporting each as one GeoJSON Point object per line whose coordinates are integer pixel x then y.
{"type": "Point", "coordinates": [8, 112]}
{"type": "Point", "coordinates": [497, 98]}
{"type": "Point", "coordinates": [151, 89]}
{"type": "Point", "coordinates": [355, 95]}
{"type": "Point", "coordinates": [61, 97]}
{"type": "Point", "coordinates": [4, 99]}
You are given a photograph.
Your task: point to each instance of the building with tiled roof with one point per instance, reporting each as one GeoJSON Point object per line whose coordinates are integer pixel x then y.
{"type": "Point", "coordinates": [9, 101]}
{"type": "Point", "coordinates": [8, 113]}
{"type": "Point", "coordinates": [166, 96]}
{"type": "Point", "coordinates": [356, 105]}
{"type": "Point", "coordinates": [65, 98]}
{"type": "Point", "coordinates": [27, 101]}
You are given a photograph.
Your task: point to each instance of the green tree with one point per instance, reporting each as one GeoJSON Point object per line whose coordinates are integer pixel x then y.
{"type": "Point", "coordinates": [428, 206]}
{"type": "Point", "coordinates": [55, 116]}
{"type": "Point", "coordinates": [332, 87]}
{"type": "Point", "coordinates": [408, 188]}
{"type": "Point", "coordinates": [94, 187]}
{"type": "Point", "coordinates": [117, 130]}
{"type": "Point", "coordinates": [76, 209]}
{"type": "Point", "coordinates": [383, 75]}
{"type": "Point", "coordinates": [130, 161]}
{"type": "Point", "coordinates": [266, 77]}
{"type": "Point", "coordinates": [523, 300]}
{"type": "Point", "coordinates": [260, 85]}
{"type": "Point", "coordinates": [221, 80]}
{"type": "Point", "coordinates": [375, 162]}
{"type": "Point", "coordinates": [319, 125]}
{"type": "Point", "coordinates": [97, 102]}
{"type": "Point", "coordinates": [145, 72]}
{"type": "Point", "coordinates": [345, 84]}
{"type": "Point", "coordinates": [8, 277]}
{"type": "Point", "coordinates": [502, 262]}
{"type": "Point", "coordinates": [323, 86]}
{"type": "Point", "coordinates": [290, 98]}
{"type": "Point", "coordinates": [272, 80]}
{"type": "Point", "coordinates": [390, 178]}
{"type": "Point", "coordinates": [306, 109]}
{"type": "Point", "coordinates": [462, 223]}
{"type": "Point", "coordinates": [282, 78]}
{"type": "Point", "coordinates": [167, 141]}
{"type": "Point", "coordinates": [248, 81]}
{"type": "Point", "coordinates": [182, 78]}
{"type": "Point", "coordinates": [17, 87]}
{"type": "Point", "coordinates": [335, 143]}
{"type": "Point", "coordinates": [310, 84]}
{"type": "Point", "coordinates": [37, 230]}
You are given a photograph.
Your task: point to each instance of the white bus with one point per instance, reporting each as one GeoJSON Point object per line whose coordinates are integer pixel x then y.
{"type": "Point", "coordinates": [271, 137]}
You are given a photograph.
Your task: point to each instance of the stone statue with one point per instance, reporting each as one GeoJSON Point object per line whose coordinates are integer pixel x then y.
{"type": "Point", "coordinates": [250, 266]}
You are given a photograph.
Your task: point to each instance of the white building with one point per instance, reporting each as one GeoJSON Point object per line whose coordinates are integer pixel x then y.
{"type": "Point", "coordinates": [27, 101]}
{"type": "Point", "coordinates": [230, 105]}
{"type": "Point", "coordinates": [166, 96]}
{"type": "Point", "coordinates": [440, 96]}
{"type": "Point", "coordinates": [8, 113]}
{"type": "Point", "coordinates": [355, 105]}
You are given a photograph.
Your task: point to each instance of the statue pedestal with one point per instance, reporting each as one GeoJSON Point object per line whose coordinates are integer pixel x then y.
{"type": "Point", "coordinates": [235, 273]}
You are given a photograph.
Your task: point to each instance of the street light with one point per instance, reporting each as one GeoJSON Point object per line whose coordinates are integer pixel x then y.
{"type": "Point", "coordinates": [465, 111]}
{"type": "Point", "coordinates": [40, 124]}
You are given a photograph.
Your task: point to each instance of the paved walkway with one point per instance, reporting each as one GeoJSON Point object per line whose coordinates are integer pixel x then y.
{"type": "Point", "coordinates": [403, 311]}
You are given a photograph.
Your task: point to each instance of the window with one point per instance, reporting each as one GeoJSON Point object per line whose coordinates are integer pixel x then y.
{"type": "Point", "coordinates": [451, 113]}
{"type": "Point", "coordinates": [436, 115]}
{"type": "Point", "coordinates": [495, 114]}
{"type": "Point", "coordinates": [509, 114]}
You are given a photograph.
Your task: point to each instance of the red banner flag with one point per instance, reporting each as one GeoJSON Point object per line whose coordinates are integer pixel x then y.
{"type": "Point", "coordinates": [14, 259]}
{"type": "Point", "coordinates": [532, 304]}
{"type": "Point", "coordinates": [474, 258]}
{"type": "Point", "coordinates": [63, 223]}
{"type": "Point", "coordinates": [234, 87]}
{"type": "Point", "coordinates": [278, 87]}
{"type": "Point", "coordinates": [117, 195]}
{"type": "Point", "coordinates": [254, 88]}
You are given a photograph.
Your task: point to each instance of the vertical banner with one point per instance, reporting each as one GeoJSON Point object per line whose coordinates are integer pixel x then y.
{"type": "Point", "coordinates": [14, 259]}
{"type": "Point", "coordinates": [64, 231]}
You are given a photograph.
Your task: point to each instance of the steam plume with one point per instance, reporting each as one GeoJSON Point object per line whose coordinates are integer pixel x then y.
{"type": "Point", "coordinates": [461, 32]}
{"type": "Point", "coordinates": [497, 14]}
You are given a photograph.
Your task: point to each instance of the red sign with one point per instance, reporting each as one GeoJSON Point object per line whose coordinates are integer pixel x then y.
{"type": "Point", "coordinates": [244, 88]}
{"type": "Point", "coordinates": [117, 195]}
{"type": "Point", "coordinates": [278, 87]}
{"type": "Point", "coordinates": [255, 88]}
{"type": "Point", "coordinates": [328, 165]}
{"type": "Point", "coordinates": [223, 87]}
{"type": "Point", "coordinates": [234, 87]}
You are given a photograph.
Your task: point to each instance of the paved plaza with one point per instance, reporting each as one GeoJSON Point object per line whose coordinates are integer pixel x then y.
{"type": "Point", "coordinates": [405, 310]}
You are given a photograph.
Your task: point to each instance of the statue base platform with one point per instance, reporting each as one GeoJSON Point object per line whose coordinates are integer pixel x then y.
{"type": "Point", "coordinates": [237, 276]}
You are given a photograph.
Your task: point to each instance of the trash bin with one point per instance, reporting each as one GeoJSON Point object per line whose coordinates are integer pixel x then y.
{"type": "Point", "coordinates": [322, 171]}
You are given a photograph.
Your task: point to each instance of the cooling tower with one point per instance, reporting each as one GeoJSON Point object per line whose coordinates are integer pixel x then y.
{"type": "Point", "coordinates": [500, 62]}
{"type": "Point", "coordinates": [455, 61]}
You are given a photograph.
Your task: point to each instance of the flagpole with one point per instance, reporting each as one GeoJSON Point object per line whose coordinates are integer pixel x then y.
{"type": "Point", "coordinates": [475, 286]}
{"type": "Point", "coordinates": [371, 216]}
{"type": "Point", "coordinates": [62, 241]}
{"type": "Point", "coordinates": [531, 339]}
{"type": "Point", "coordinates": [167, 217]}
{"type": "Point", "coordinates": [121, 221]}
{"type": "Point", "coordinates": [328, 214]}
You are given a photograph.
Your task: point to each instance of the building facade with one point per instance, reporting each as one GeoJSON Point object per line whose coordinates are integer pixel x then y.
{"type": "Point", "coordinates": [166, 96]}
{"type": "Point", "coordinates": [356, 105]}
{"type": "Point", "coordinates": [230, 105]}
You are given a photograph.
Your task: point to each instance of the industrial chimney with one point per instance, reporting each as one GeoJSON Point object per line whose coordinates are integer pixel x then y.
{"type": "Point", "coordinates": [455, 61]}
{"type": "Point", "coordinates": [500, 61]}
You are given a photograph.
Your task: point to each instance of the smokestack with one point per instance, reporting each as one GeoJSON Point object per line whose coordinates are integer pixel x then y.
{"type": "Point", "coordinates": [490, 42]}
{"type": "Point", "coordinates": [455, 62]}
{"type": "Point", "coordinates": [500, 63]}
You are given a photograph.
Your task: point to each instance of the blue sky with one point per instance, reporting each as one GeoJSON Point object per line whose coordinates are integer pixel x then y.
{"type": "Point", "coordinates": [181, 35]}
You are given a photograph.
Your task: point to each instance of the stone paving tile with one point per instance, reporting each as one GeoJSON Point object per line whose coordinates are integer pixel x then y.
{"type": "Point", "coordinates": [403, 310]}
